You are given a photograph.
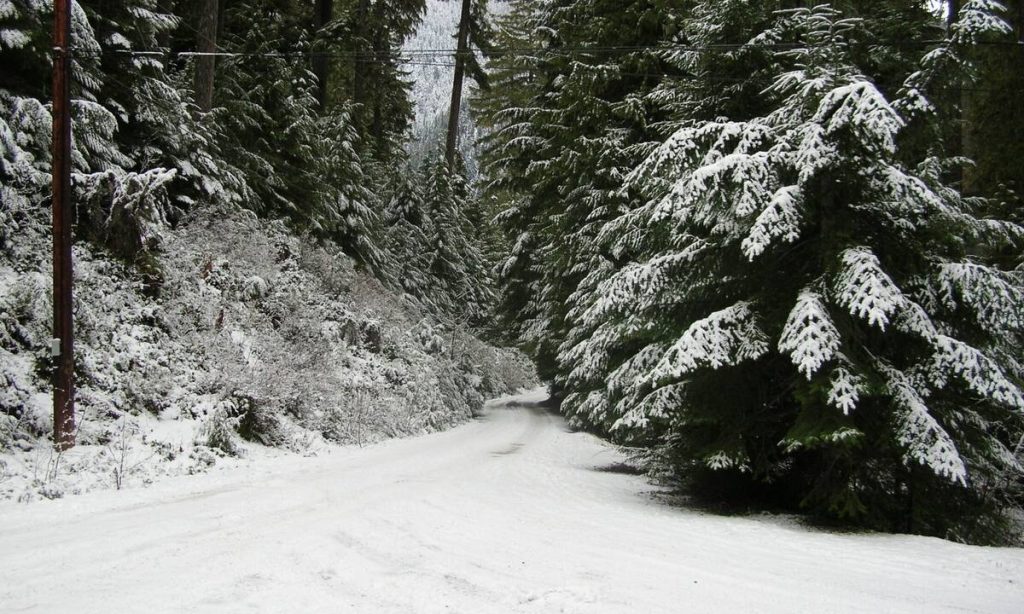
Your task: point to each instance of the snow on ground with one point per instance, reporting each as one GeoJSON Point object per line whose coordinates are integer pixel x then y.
{"type": "Point", "coordinates": [510, 513]}
{"type": "Point", "coordinates": [257, 338]}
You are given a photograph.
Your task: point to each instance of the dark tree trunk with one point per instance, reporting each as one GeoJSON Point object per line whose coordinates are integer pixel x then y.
{"type": "Point", "coordinates": [952, 8]}
{"type": "Point", "coordinates": [460, 72]}
{"type": "Point", "coordinates": [322, 12]}
{"type": "Point", "coordinates": [381, 50]}
{"type": "Point", "coordinates": [206, 42]}
{"type": "Point", "coordinates": [222, 11]}
{"type": "Point", "coordinates": [1020, 21]}
{"type": "Point", "coordinates": [361, 61]}
{"type": "Point", "coordinates": [957, 142]}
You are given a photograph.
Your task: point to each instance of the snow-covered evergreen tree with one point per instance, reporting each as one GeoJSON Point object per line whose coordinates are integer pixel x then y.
{"type": "Point", "coordinates": [302, 163]}
{"type": "Point", "coordinates": [409, 229]}
{"type": "Point", "coordinates": [461, 285]}
{"type": "Point", "coordinates": [110, 166]}
{"type": "Point", "coordinates": [367, 35]}
{"type": "Point", "coordinates": [801, 304]}
{"type": "Point", "coordinates": [568, 126]}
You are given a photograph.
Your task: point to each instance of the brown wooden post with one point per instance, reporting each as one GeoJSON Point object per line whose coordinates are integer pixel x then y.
{"type": "Point", "coordinates": [62, 346]}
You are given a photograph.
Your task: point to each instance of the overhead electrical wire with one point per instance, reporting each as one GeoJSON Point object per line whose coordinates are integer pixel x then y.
{"type": "Point", "coordinates": [445, 58]}
{"type": "Point", "coordinates": [408, 56]}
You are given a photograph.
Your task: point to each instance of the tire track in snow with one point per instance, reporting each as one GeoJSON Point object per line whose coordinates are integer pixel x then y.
{"type": "Point", "coordinates": [509, 513]}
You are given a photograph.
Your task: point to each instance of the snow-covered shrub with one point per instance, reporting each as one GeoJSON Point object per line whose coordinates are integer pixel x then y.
{"type": "Point", "coordinates": [126, 211]}
{"type": "Point", "coordinates": [259, 338]}
{"type": "Point", "coordinates": [218, 432]}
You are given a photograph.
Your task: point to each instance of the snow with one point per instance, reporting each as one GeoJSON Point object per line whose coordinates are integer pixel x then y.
{"type": "Point", "coordinates": [978, 18]}
{"type": "Point", "coordinates": [725, 337]}
{"type": "Point", "coordinates": [979, 372]}
{"type": "Point", "coordinates": [846, 388]}
{"type": "Point", "coordinates": [922, 437]}
{"type": "Point", "coordinates": [431, 67]}
{"type": "Point", "coordinates": [866, 290]}
{"type": "Point", "coordinates": [860, 106]}
{"type": "Point", "coordinates": [810, 337]}
{"type": "Point", "coordinates": [13, 39]}
{"type": "Point", "coordinates": [509, 513]}
{"type": "Point", "coordinates": [991, 294]}
{"type": "Point", "coordinates": [780, 219]}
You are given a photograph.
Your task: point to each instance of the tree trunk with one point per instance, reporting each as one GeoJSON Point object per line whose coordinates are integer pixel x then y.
{"type": "Point", "coordinates": [1020, 21]}
{"type": "Point", "coordinates": [322, 12]}
{"type": "Point", "coordinates": [956, 144]}
{"type": "Point", "coordinates": [992, 108]}
{"type": "Point", "coordinates": [381, 51]}
{"type": "Point", "coordinates": [952, 8]}
{"type": "Point", "coordinates": [206, 42]}
{"type": "Point", "coordinates": [460, 70]}
{"type": "Point", "coordinates": [62, 347]}
{"type": "Point", "coordinates": [361, 64]}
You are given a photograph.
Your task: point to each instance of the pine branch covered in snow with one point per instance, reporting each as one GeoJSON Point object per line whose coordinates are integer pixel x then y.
{"type": "Point", "coordinates": [868, 325]}
{"type": "Point", "coordinates": [779, 220]}
{"type": "Point", "coordinates": [923, 438]}
{"type": "Point", "coordinates": [845, 389]}
{"type": "Point", "coordinates": [725, 337]}
{"type": "Point", "coordinates": [809, 336]}
{"type": "Point", "coordinates": [865, 289]}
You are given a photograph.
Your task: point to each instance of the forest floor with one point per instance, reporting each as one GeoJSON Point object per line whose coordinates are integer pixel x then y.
{"type": "Point", "coordinates": [509, 513]}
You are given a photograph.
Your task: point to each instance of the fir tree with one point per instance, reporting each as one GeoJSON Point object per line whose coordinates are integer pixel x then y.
{"type": "Point", "coordinates": [116, 121]}
{"type": "Point", "coordinates": [579, 121]}
{"type": "Point", "coordinates": [461, 286]}
{"type": "Point", "coordinates": [302, 163]}
{"type": "Point", "coordinates": [370, 34]}
{"type": "Point", "coordinates": [409, 229]}
{"type": "Point", "coordinates": [800, 306]}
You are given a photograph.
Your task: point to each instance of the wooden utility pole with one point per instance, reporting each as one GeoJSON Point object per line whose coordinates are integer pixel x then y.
{"type": "Point", "coordinates": [460, 71]}
{"type": "Point", "coordinates": [62, 346]}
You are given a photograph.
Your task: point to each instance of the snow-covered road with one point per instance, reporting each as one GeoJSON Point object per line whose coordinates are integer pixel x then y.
{"type": "Point", "coordinates": [510, 513]}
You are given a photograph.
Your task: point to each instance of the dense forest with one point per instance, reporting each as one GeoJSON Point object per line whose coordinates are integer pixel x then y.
{"type": "Point", "coordinates": [774, 248]}
{"type": "Point", "coordinates": [294, 110]}
{"type": "Point", "coordinates": [258, 259]}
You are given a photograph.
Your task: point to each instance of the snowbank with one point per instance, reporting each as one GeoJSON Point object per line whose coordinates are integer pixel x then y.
{"type": "Point", "coordinates": [235, 339]}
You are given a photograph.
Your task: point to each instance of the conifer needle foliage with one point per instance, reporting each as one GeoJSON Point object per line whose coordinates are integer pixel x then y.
{"type": "Point", "coordinates": [789, 293]}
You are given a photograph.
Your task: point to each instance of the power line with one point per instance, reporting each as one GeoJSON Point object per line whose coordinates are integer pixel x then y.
{"type": "Point", "coordinates": [406, 55]}
{"type": "Point", "coordinates": [715, 47]}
